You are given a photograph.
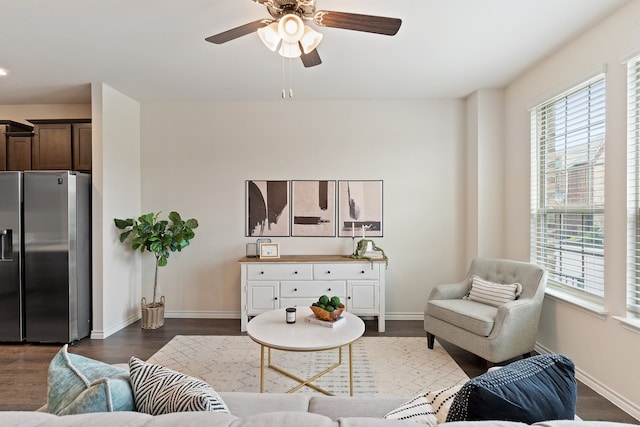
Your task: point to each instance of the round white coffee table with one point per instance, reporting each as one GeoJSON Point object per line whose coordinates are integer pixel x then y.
{"type": "Point", "coordinates": [271, 330]}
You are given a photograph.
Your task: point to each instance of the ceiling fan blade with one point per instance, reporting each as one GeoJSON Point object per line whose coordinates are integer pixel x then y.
{"type": "Point", "coordinates": [358, 22]}
{"type": "Point", "coordinates": [310, 59]}
{"type": "Point", "coordinates": [240, 31]}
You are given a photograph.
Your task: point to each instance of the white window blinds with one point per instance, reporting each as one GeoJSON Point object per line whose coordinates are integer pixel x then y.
{"type": "Point", "coordinates": [567, 188]}
{"type": "Point", "coordinates": [633, 187]}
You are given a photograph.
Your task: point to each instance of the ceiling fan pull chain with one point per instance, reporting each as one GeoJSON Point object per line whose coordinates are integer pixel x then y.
{"type": "Point", "coordinates": [290, 78]}
{"type": "Point", "coordinates": [284, 93]}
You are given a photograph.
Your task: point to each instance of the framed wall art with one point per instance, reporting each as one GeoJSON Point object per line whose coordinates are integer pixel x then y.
{"type": "Point", "coordinates": [267, 208]}
{"type": "Point", "coordinates": [313, 208]}
{"type": "Point", "coordinates": [360, 208]}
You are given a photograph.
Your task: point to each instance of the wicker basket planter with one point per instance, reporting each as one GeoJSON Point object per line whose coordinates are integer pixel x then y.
{"type": "Point", "coordinates": [152, 314]}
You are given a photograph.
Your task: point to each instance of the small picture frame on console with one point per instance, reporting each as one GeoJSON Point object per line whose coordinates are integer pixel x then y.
{"type": "Point", "coordinates": [269, 250]}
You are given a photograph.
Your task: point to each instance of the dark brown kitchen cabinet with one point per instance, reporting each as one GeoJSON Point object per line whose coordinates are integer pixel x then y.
{"type": "Point", "coordinates": [19, 151]}
{"type": "Point", "coordinates": [7, 128]}
{"type": "Point", "coordinates": [61, 144]}
{"type": "Point", "coordinates": [81, 147]}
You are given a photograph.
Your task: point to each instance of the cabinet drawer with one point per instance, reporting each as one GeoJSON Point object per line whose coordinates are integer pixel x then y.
{"type": "Point", "coordinates": [346, 271]}
{"type": "Point", "coordinates": [279, 272]}
{"type": "Point", "coordinates": [312, 289]}
{"type": "Point", "coordinates": [297, 302]}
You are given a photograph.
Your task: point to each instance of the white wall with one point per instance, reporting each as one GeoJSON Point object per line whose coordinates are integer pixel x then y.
{"type": "Point", "coordinates": [604, 351]}
{"type": "Point", "coordinates": [484, 174]}
{"type": "Point", "coordinates": [116, 194]}
{"type": "Point", "coordinates": [196, 158]}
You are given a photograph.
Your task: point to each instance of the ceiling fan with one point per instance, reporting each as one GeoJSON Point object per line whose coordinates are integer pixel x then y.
{"type": "Point", "coordinates": [295, 39]}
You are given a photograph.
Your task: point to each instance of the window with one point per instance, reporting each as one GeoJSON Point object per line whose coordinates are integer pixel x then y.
{"type": "Point", "coordinates": [633, 187]}
{"type": "Point", "coordinates": [567, 188]}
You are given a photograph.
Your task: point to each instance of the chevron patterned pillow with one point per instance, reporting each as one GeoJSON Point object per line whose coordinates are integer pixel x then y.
{"type": "Point", "coordinates": [159, 390]}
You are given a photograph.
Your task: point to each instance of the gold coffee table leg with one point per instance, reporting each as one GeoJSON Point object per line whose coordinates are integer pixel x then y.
{"type": "Point", "coordinates": [350, 370]}
{"type": "Point", "coordinates": [262, 367]}
{"type": "Point", "coordinates": [302, 381]}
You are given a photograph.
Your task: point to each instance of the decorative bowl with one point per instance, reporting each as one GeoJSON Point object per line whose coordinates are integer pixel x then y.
{"type": "Point", "coordinates": [325, 315]}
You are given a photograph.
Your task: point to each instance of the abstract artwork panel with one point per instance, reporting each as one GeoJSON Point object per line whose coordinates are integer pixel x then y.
{"type": "Point", "coordinates": [267, 208]}
{"type": "Point", "coordinates": [313, 208]}
{"type": "Point", "coordinates": [359, 206]}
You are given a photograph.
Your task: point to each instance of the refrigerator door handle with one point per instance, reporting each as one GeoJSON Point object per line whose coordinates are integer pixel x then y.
{"type": "Point", "coordinates": [6, 244]}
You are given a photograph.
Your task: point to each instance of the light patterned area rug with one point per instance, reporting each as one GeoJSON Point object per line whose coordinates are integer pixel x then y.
{"type": "Point", "coordinates": [382, 365]}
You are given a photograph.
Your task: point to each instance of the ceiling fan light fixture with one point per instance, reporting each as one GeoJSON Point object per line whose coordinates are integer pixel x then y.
{"type": "Point", "coordinates": [290, 50]}
{"type": "Point", "coordinates": [310, 39]}
{"type": "Point", "coordinates": [291, 28]}
{"type": "Point", "coordinates": [270, 36]}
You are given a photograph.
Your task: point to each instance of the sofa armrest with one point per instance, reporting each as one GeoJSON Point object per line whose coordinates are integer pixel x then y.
{"type": "Point", "coordinates": [515, 320]}
{"type": "Point", "coordinates": [449, 291]}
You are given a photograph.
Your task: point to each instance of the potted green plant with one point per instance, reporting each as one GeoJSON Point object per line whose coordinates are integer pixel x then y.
{"type": "Point", "coordinates": [160, 237]}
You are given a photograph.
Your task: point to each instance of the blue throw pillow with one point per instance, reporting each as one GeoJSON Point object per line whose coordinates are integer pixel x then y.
{"type": "Point", "coordinates": [79, 385]}
{"type": "Point", "coordinates": [531, 390]}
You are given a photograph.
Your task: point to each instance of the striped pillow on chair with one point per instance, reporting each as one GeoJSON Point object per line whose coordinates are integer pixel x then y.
{"type": "Point", "coordinates": [491, 293]}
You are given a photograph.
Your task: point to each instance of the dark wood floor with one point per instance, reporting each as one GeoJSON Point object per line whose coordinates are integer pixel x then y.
{"type": "Point", "coordinates": [23, 377]}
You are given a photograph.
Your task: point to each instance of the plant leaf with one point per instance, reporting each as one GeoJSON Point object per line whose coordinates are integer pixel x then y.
{"type": "Point", "coordinates": [123, 223]}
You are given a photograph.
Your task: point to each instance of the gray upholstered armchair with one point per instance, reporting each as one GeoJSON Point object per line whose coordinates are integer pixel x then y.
{"type": "Point", "coordinates": [495, 333]}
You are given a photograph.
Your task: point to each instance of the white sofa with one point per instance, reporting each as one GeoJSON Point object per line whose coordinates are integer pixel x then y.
{"type": "Point", "coordinates": [267, 410]}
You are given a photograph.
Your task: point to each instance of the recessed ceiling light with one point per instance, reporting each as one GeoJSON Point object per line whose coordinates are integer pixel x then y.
{"type": "Point", "coordinates": [3, 72]}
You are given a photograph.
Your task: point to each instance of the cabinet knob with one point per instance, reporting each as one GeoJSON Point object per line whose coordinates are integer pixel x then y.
{"type": "Point", "coordinates": [362, 272]}
{"type": "Point", "coordinates": [262, 272]}
{"type": "Point", "coordinates": [276, 298]}
{"type": "Point", "coordinates": [328, 272]}
{"type": "Point", "coordinates": [295, 289]}
{"type": "Point", "coordinates": [348, 297]}
{"type": "Point", "coordinates": [295, 272]}
{"type": "Point", "coordinates": [329, 289]}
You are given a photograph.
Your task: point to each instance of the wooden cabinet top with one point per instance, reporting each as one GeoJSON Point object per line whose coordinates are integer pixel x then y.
{"type": "Point", "coordinates": [309, 258]}
{"type": "Point", "coordinates": [12, 126]}
{"type": "Point", "coordinates": [57, 121]}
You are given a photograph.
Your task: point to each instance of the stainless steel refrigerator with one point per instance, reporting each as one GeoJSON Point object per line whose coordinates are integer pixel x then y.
{"type": "Point", "coordinates": [45, 256]}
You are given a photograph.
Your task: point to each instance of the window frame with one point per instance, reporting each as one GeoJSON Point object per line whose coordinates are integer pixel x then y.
{"type": "Point", "coordinates": [550, 240]}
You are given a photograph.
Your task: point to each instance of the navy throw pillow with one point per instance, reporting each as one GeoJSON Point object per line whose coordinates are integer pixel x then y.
{"type": "Point", "coordinates": [531, 390]}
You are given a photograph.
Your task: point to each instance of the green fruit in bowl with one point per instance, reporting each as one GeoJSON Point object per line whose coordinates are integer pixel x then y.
{"type": "Point", "coordinates": [330, 308]}
{"type": "Point", "coordinates": [335, 301]}
{"type": "Point", "coordinates": [324, 300]}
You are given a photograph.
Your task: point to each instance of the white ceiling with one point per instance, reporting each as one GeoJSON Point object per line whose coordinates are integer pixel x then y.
{"type": "Point", "coordinates": [154, 50]}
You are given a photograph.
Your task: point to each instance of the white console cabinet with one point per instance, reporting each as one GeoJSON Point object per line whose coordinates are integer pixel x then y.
{"type": "Point", "coordinates": [299, 280]}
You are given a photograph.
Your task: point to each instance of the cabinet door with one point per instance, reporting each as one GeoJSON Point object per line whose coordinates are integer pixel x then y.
{"type": "Point", "coordinates": [18, 153]}
{"type": "Point", "coordinates": [363, 297]}
{"type": "Point", "coordinates": [261, 297]}
{"type": "Point", "coordinates": [3, 149]}
{"type": "Point", "coordinates": [52, 147]}
{"type": "Point", "coordinates": [82, 147]}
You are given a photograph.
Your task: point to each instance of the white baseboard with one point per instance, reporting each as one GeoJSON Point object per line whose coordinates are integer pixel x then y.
{"type": "Point", "coordinates": [603, 390]}
{"type": "Point", "coordinates": [202, 314]}
{"type": "Point", "coordinates": [97, 334]}
{"type": "Point", "coordinates": [405, 316]}
{"type": "Point", "coordinates": [236, 315]}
